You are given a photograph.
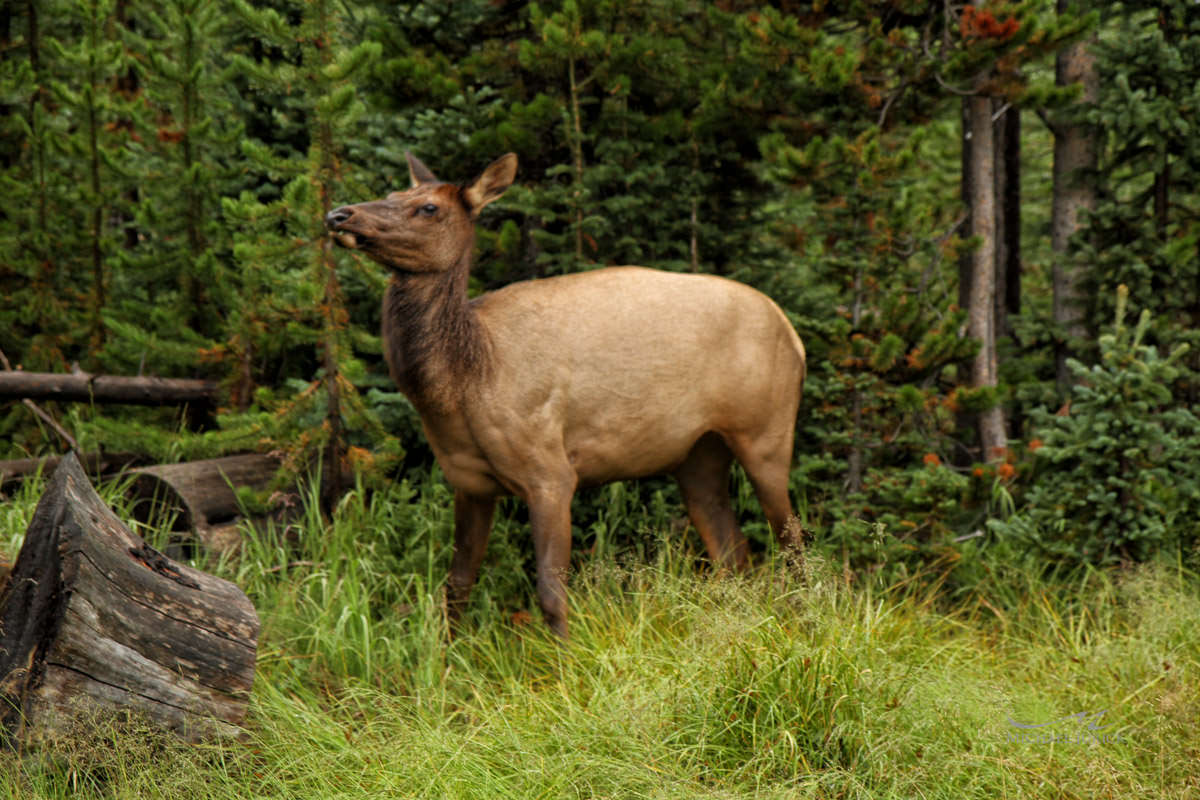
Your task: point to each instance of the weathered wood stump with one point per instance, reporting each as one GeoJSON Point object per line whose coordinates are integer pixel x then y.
{"type": "Point", "coordinates": [201, 496]}
{"type": "Point", "coordinates": [94, 621]}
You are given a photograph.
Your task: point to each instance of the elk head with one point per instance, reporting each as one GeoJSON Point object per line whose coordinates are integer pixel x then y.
{"type": "Point", "coordinates": [428, 228]}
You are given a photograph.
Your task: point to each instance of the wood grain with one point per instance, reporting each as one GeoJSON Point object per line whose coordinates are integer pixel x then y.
{"type": "Point", "coordinates": [92, 618]}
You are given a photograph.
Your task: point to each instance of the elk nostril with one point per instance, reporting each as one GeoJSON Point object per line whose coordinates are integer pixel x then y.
{"type": "Point", "coordinates": [338, 216]}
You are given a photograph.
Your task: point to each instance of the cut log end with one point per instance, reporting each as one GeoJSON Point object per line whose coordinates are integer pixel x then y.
{"type": "Point", "coordinates": [200, 497]}
{"type": "Point", "coordinates": [94, 621]}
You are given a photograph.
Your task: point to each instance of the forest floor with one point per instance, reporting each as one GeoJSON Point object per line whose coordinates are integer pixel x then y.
{"type": "Point", "coordinates": [787, 682]}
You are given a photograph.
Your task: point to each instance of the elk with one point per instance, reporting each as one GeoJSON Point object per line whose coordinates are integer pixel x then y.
{"type": "Point", "coordinates": [550, 385]}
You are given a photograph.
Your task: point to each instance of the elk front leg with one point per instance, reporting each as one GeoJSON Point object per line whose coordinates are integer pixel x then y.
{"type": "Point", "coordinates": [550, 524]}
{"type": "Point", "coordinates": [472, 526]}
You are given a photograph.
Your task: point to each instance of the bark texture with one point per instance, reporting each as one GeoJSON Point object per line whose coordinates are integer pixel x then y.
{"type": "Point", "coordinates": [981, 299]}
{"type": "Point", "coordinates": [1075, 153]}
{"type": "Point", "coordinates": [82, 387]}
{"type": "Point", "coordinates": [95, 623]}
{"type": "Point", "coordinates": [201, 496]}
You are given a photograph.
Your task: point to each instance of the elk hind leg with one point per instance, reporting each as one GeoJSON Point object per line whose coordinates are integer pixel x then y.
{"type": "Point", "coordinates": [767, 460]}
{"type": "Point", "coordinates": [703, 479]}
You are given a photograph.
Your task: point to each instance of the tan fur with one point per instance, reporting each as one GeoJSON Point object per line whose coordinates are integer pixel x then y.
{"type": "Point", "coordinates": [546, 386]}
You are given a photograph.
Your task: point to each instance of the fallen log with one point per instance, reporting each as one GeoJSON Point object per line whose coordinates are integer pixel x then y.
{"type": "Point", "coordinates": [82, 387]}
{"type": "Point", "coordinates": [93, 463]}
{"type": "Point", "coordinates": [200, 497]}
{"type": "Point", "coordinates": [94, 623]}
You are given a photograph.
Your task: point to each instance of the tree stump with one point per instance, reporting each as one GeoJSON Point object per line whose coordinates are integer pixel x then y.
{"type": "Point", "coordinates": [94, 621]}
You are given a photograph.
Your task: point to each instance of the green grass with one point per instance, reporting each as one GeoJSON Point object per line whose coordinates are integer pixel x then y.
{"type": "Point", "coordinates": [783, 683]}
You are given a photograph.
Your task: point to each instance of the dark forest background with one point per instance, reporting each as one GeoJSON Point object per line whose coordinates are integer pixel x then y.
{"type": "Point", "coordinates": [981, 218]}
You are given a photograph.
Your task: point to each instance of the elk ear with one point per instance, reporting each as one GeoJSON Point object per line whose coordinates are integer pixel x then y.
{"type": "Point", "coordinates": [491, 183]}
{"type": "Point", "coordinates": [418, 172]}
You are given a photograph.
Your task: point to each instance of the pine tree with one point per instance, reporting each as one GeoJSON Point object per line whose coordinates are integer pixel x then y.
{"type": "Point", "coordinates": [649, 158]}
{"type": "Point", "coordinates": [176, 273]}
{"type": "Point", "coordinates": [1144, 230]}
{"type": "Point", "coordinates": [68, 188]}
{"type": "Point", "coordinates": [881, 405]}
{"type": "Point", "coordinates": [33, 329]}
{"type": "Point", "coordinates": [1118, 480]}
{"type": "Point", "coordinates": [292, 298]}
{"type": "Point", "coordinates": [104, 113]}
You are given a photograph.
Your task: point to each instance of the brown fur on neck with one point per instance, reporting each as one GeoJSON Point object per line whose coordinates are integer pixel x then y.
{"type": "Point", "coordinates": [434, 345]}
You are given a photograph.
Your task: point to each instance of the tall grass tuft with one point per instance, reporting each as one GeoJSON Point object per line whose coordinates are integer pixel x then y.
{"type": "Point", "coordinates": [786, 682]}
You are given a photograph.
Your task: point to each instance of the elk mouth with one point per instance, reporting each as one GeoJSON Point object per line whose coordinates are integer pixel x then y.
{"type": "Point", "coordinates": [335, 222]}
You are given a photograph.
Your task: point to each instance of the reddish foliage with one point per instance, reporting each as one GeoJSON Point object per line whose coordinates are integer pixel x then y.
{"type": "Point", "coordinates": [980, 23]}
{"type": "Point", "coordinates": [124, 126]}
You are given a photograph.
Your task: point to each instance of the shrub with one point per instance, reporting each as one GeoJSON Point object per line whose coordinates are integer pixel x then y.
{"type": "Point", "coordinates": [1116, 474]}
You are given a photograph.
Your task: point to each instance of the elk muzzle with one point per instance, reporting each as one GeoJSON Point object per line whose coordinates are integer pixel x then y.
{"type": "Point", "coordinates": [334, 221]}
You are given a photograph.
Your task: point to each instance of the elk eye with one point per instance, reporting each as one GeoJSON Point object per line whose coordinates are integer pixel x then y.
{"type": "Point", "coordinates": [427, 210]}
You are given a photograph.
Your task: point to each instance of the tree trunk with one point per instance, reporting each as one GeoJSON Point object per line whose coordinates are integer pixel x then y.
{"type": "Point", "coordinates": [966, 192]}
{"type": "Point", "coordinates": [93, 110]}
{"type": "Point", "coordinates": [981, 310]}
{"type": "Point", "coordinates": [1074, 195]}
{"type": "Point", "coordinates": [333, 306]}
{"type": "Point", "coordinates": [94, 624]}
{"type": "Point", "coordinates": [1008, 234]}
{"type": "Point", "coordinates": [1008, 216]}
{"type": "Point", "coordinates": [855, 459]}
{"type": "Point", "coordinates": [576, 157]}
{"type": "Point", "coordinates": [1162, 200]}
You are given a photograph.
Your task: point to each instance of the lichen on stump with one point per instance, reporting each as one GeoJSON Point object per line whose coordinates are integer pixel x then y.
{"type": "Point", "coordinates": [93, 620]}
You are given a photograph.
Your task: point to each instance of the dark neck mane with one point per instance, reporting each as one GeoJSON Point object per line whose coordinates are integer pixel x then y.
{"type": "Point", "coordinates": [434, 344]}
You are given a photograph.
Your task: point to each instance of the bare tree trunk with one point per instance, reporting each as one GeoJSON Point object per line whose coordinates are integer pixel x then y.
{"type": "Point", "coordinates": [1162, 178]}
{"type": "Point", "coordinates": [694, 249]}
{"type": "Point", "coordinates": [1002, 222]}
{"type": "Point", "coordinates": [1162, 199]}
{"type": "Point", "coordinates": [1074, 195]}
{"type": "Point", "coordinates": [1008, 216]}
{"type": "Point", "coordinates": [1012, 211]}
{"type": "Point", "coordinates": [577, 157]}
{"type": "Point", "coordinates": [333, 306]}
{"type": "Point", "coordinates": [97, 216]}
{"type": "Point", "coordinates": [981, 309]}
{"type": "Point", "coordinates": [1008, 229]}
{"type": "Point", "coordinates": [967, 191]}
{"type": "Point", "coordinates": [854, 462]}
